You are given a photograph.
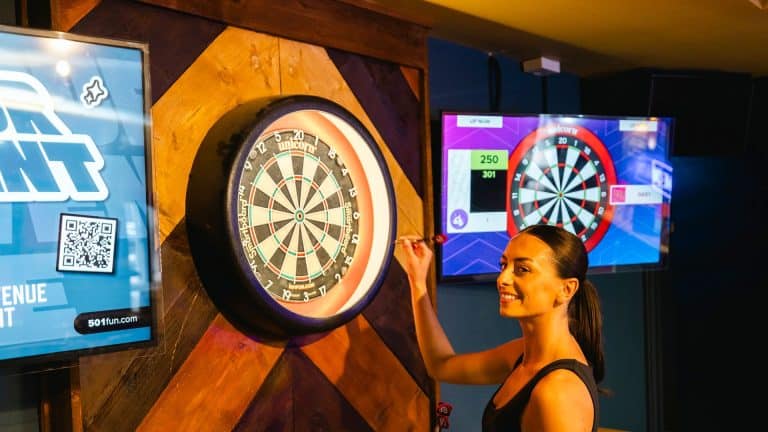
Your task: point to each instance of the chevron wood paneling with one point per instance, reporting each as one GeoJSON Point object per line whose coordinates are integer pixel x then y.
{"type": "Point", "coordinates": [205, 374]}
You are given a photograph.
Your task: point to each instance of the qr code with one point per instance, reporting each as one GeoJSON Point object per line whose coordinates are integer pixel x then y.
{"type": "Point", "coordinates": [86, 244]}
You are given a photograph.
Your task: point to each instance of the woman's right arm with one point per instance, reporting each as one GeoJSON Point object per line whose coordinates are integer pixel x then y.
{"type": "Point", "coordinates": [443, 364]}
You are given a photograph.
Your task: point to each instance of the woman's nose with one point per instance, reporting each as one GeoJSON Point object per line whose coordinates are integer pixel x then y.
{"type": "Point", "coordinates": [504, 278]}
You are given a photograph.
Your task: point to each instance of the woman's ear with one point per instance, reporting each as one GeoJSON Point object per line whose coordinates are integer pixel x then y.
{"type": "Point", "coordinates": [568, 289]}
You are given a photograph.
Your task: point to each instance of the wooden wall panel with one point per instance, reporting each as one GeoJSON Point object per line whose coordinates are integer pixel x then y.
{"type": "Point", "coordinates": [390, 104]}
{"type": "Point", "coordinates": [215, 385]}
{"type": "Point", "coordinates": [119, 389]}
{"type": "Point", "coordinates": [327, 23]}
{"type": "Point", "coordinates": [206, 375]}
{"type": "Point", "coordinates": [361, 366]}
{"type": "Point", "coordinates": [238, 66]}
{"type": "Point", "coordinates": [65, 13]}
{"type": "Point", "coordinates": [302, 399]}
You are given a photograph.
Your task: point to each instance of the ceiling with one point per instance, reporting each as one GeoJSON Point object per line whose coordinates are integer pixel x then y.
{"type": "Point", "coordinates": [591, 37]}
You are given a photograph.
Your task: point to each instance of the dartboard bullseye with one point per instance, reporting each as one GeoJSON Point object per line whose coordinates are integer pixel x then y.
{"type": "Point", "coordinates": [279, 198]}
{"type": "Point", "coordinates": [561, 175]}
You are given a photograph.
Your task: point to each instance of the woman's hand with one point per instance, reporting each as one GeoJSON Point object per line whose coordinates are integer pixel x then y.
{"type": "Point", "coordinates": [418, 258]}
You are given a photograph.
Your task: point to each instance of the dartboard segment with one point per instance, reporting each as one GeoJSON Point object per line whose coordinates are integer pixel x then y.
{"type": "Point", "coordinates": [561, 175]}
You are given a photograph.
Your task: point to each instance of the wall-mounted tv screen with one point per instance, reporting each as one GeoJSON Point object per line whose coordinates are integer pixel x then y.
{"type": "Point", "coordinates": [77, 272]}
{"type": "Point", "coordinates": [606, 179]}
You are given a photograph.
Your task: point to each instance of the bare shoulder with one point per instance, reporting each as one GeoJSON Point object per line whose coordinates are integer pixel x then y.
{"type": "Point", "coordinates": [559, 402]}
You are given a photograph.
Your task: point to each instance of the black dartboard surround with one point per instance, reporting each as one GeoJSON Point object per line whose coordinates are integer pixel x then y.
{"type": "Point", "coordinates": [290, 215]}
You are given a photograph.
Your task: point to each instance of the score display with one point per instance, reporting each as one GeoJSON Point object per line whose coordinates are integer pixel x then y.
{"type": "Point", "coordinates": [606, 179]}
{"type": "Point", "coordinates": [478, 202]}
{"type": "Point", "coordinates": [489, 173]}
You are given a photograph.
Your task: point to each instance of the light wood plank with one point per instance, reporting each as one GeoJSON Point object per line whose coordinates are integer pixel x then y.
{"type": "Point", "coordinates": [66, 13]}
{"type": "Point", "coordinates": [365, 371]}
{"type": "Point", "coordinates": [413, 78]}
{"type": "Point", "coordinates": [216, 383]}
{"type": "Point", "coordinates": [239, 65]}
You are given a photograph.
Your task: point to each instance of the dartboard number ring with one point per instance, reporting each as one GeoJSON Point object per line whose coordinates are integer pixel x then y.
{"type": "Point", "coordinates": [561, 175]}
{"type": "Point", "coordinates": [300, 232]}
{"type": "Point", "coordinates": [281, 216]}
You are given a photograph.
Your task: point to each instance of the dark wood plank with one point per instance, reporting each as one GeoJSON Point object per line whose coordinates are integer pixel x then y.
{"type": "Point", "coordinates": [327, 23]}
{"type": "Point", "coordinates": [390, 314]}
{"type": "Point", "coordinates": [175, 39]}
{"type": "Point", "coordinates": [296, 396]}
{"type": "Point", "coordinates": [391, 105]}
{"type": "Point", "coordinates": [118, 389]}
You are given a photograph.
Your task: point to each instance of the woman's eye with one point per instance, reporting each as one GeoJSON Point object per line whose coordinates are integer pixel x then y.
{"type": "Point", "coordinates": [520, 269]}
{"type": "Point", "coordinates": [502, 265]}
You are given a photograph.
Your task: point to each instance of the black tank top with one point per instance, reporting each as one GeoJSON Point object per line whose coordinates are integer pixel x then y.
{"type": "Point", "coordinates": [508, 417]}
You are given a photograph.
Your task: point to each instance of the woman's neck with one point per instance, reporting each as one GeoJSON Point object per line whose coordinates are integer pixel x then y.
{"type": "Point", "coordinates": [546, 339]}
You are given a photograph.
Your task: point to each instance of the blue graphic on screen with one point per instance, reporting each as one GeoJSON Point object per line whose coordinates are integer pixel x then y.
{"type": "Point", "coordinates": [606, 179]}
{"type": "Point", "coordinates": [74, 237]}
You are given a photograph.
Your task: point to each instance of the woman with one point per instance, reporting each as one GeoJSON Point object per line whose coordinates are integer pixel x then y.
{"type": "Point", "coordinates": [549, 376]}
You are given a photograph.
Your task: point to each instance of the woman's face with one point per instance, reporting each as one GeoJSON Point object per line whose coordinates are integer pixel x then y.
{"type": "Point", "coordinates": [528, 283]}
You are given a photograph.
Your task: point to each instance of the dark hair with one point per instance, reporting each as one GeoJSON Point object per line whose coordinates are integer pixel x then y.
{"type": "Point", "coordinates": [585, 317]}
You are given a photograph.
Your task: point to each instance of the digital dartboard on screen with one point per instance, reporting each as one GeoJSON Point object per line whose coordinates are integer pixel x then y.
{"type": "Point", "coordinates": [291, 216]}
{"type": "Point", "coordinates": [560, 174]}
{"type": "Point", "coordinates": [606, 179]}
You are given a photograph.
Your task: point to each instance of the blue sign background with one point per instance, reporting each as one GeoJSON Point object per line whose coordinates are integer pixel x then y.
{"type": "Point", "coordinates": [116, 124]}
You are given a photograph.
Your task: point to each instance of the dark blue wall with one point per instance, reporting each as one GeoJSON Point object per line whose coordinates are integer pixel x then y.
{"type": "Point", "coordinates": [19, 396]}
{"type": "Point", "coordinates": [458, 80]}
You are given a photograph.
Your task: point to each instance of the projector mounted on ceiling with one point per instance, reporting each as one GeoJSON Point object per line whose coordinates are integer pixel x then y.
{"type": "Point", "coordinates": [542, 66]}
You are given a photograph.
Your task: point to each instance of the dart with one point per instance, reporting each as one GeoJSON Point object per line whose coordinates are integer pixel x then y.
{"type": "Point", "coordinates": [436, 239]}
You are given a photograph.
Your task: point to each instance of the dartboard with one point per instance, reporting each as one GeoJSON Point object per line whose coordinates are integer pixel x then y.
{"type": "Point", "coordinates": [299, 219]}
{"type": "Point", "coordinates": [560, 175]}
{"type": "Point", "coordinates": [295, 219]}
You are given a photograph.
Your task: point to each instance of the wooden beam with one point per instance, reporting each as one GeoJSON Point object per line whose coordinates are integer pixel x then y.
{"type": "Point", "coordinates": [66, 13]}
{"type": "Point", "coordinates": [328, 23]}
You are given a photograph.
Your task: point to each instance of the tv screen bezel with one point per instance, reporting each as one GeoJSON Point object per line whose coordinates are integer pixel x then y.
{"type": "Point", "coordinates": [437, 146]}
{"type": "Point", "coordinates": [154, 344]}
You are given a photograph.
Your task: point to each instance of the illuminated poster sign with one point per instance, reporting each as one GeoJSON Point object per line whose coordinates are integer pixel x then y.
{"type": "Point", "coordinates": [76, 241]}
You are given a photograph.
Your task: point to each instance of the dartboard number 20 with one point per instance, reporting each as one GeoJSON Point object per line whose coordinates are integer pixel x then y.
{"type": "Point", "coordinates": [298, 216]}
{"type": "Point", "coordinates": [561, 175]}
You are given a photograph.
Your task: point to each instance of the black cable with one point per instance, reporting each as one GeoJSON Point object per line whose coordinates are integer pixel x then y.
{"type": "Point", "coordinates": [494, 83]}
